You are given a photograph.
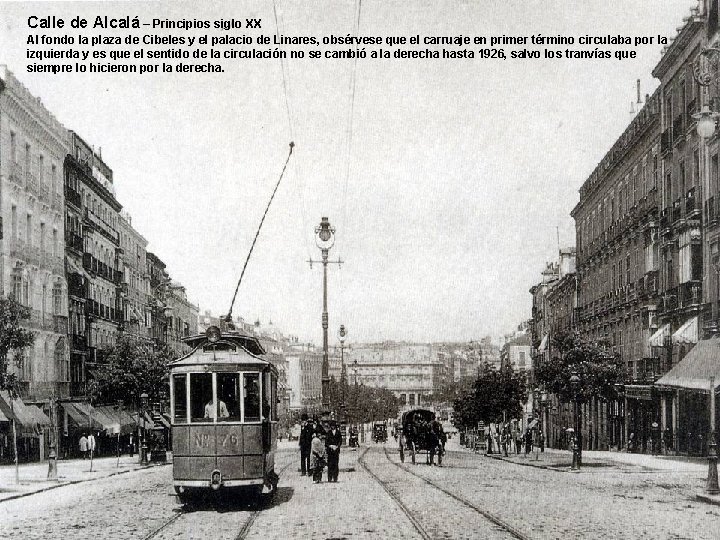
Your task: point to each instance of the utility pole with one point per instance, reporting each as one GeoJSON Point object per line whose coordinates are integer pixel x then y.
{"type": "Point", "coordinates": [325, 239]}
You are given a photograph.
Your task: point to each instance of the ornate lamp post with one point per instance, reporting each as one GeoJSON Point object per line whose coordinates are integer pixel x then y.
{"type": "Point", "coordinates": [325, 239]}
{"type": "Point", "coordinates": [144, 446]}
{"type": "Point", "coordinates": [575, 387]}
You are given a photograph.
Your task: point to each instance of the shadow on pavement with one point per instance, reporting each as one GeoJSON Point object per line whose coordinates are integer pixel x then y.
{"type": "Point", "coordinates": [235, 501]}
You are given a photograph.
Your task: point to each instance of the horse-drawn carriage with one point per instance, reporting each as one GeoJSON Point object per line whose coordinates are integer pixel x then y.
{"type": "Point", "coordinates": [380, 432]}
{"type": "Point", "coordinates": [420, 432]}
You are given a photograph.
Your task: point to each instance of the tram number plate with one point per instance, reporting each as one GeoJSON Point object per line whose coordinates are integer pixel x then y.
{"type": "Point", "coordinates": [202, 440]}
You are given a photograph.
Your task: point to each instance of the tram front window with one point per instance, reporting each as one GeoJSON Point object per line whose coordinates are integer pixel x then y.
{"type": "Point", "coordinates": [228, 390]}
{"type": "Point", "coordinates": [251, 386]}
{"type": "Point", "coordinates": [201, 397]}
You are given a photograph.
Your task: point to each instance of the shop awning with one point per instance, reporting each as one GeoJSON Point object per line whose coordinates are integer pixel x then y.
{"type": "Point", "coordinates": [687, 333]}
{"type": "Point", "coordinates": [82, 414]}
{"type": "Point", "coordinates": [29, 419]}
{"type": "Point", "coordinates": [543, 344]}
{"type": "Point", "coordinates": [695, 370]}
{"type": "Point", "coordinates": [121, 423]}
{"type": "Point", "coordinates": [658, 338]}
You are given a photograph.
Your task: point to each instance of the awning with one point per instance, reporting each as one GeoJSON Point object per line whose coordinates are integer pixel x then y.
{"type": "Point", "coordinates": [543, 344]}
{"type": "Point", "coordinates": [121, 423]}
{"type": "Point", "coordinates": [82, 414]}
{"type": "Point", "coordinates": [688, 332]}
{"type": "Point", "coordinates": [658, 338]}
{"type": "Point", "coordinates": [695, 370]}
{"type": "Point", "coordinates": [28, 418]}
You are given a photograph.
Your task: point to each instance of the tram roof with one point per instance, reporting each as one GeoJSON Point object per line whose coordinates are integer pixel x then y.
{"type": "Point", "coordinates": [246, 341]}
{"type": "Point", "coordinates": [231, 349]}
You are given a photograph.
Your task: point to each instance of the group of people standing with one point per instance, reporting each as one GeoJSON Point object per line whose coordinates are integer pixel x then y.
{"type": "Point", "coordinates": [506, 438]}
{"type": "Point", "coordinates": [87, 445]}
{"type": "Point", "coordinates": [319, 448]}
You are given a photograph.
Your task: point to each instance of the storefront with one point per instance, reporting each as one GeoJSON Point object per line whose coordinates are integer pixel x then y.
{"type": "Point", "coordinates": [25, 424]}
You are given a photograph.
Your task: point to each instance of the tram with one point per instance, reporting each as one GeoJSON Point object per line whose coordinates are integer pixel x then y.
{"type": "Point", "coordinates": [223, 401]}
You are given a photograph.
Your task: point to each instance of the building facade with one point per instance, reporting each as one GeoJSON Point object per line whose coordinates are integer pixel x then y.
{"type": "Point", "coordinates": [33, 145]}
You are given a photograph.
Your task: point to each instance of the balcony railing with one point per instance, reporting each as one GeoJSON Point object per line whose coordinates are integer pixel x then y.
{"type": "Point", "coordinates": [74, 241]}
{"type": "Point", "coordinates": [105, 229]}
{"type": "Point", "coordinates": [677, 210]}
{"type": "Point", "coordinates": [73, 197]}
{"type": "Point", "coordinates": [690, 294]}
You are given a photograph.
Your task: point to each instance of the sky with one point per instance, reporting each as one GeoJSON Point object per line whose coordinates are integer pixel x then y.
{"type": "Point", "coordinates": [449, 181]}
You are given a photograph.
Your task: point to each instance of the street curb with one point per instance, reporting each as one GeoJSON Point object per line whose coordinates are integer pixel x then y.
{"type": "Point", "coordinates": [73, 482]}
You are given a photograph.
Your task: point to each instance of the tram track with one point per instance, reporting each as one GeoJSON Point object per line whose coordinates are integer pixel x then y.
{"type": "Point", "coordinates": [431, 517]}
{"type": "Point", "coordinates": [189, 510]}
{"type": "Point", "coordinates": [496, 520]}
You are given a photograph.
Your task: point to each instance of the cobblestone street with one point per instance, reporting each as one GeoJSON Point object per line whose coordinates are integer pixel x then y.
{"type": "Point", "coordinates": [608, 499]}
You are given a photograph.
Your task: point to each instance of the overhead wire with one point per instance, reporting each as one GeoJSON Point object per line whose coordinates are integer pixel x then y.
{"type": "Point", "coordinates": [349, 137]}
{"type": "Point", "coordinates": [292, 121]}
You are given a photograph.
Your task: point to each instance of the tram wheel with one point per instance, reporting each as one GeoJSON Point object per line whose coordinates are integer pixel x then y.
{"type": "Point", "coordinates": [183, 495]}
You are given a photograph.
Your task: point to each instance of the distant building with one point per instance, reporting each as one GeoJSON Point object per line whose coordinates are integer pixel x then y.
{"type": "Point", "coordinates": [410, 371]}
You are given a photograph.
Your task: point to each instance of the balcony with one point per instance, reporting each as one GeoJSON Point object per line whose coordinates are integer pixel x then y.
{"type": "Point", "coordinates": [691, 204]}
{"type": "Point", "coordinates": [73, 197]}
{"type": "Point", "coordinates": [77, 342]}
{"type": "Point", "coordinates": [677, 211]}
{"type": "Point", "coordinates": [74, 241]}
{"type": "Point", "coordinates": [690, 294]}
{"type": "Point", "coordinates": [106, 230]}
{"type": "Point", "coordinates": [647, 370]}
{"type": "Point", "coordinates": [666, 141]}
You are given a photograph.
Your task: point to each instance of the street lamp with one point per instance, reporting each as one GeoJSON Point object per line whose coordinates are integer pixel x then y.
{"type": "Point", "coordinates": [143, 446]}
{"type": "Point", "coordinates": [342, 334]}
{"type": "Point", "coordinates": [325, 239]}
{"type": "Point", "coordinates": [575, 387]}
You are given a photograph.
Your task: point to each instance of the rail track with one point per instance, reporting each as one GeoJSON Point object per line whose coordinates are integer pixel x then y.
{"type": "Point", "coordinates": [230, 528]}
{"type": "Point", "coordinates": [433, 517]}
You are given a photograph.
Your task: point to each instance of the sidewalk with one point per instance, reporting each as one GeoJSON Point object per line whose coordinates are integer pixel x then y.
{"type": "Point", "coordinates": [33, 476]}
{"type": "Point", "coordinates": [596, 460]}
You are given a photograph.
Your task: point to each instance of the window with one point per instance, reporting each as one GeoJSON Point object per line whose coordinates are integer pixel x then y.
{"type": "Point", "coordinates": [251, 397]}
{"type": "Point", "coordinates": [57, 299]}
{"type": "Point", "coordinates": [267, 396]}
{"type": "Point", "coordinates": [42, 238]}
{"type": "Point", "coordinates": [13, 147]}
{"type": "Point", "coordinates": [28, 230]}
{"type": "Point", "coordinates": [17, 286]}
{"type": "Point", "coordinates": [41, 170]}
{"type": "Point", "coordinates": [14, 223]}
{"type": "Point", "coordinates": [55, 247]}
{"type": "Point", "coordinates": [180, 396]}
{"type": "Point", "coordinates": [228, 390]}
{"type": "Point", "coordinates": [201, 397]}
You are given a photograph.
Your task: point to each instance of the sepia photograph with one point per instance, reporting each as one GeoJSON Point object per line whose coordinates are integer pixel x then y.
{"type": "Point", "coordinates": [359, 269]}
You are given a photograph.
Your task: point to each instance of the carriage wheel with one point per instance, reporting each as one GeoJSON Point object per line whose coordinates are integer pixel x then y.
{"type": "Point", "coordinates": [182, 496]}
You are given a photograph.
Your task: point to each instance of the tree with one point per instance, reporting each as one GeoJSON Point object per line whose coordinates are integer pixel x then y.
{"type": "Point", "coordinates": [598, 368]}
{"type": "Point", "coordinates": [129, 368]}
{"type": "Point", "coordinates": [13, 340]}
{"type": "Point", "coordinates": [496, 394]}
{"type": "Point", "coordinates": [362, 403]}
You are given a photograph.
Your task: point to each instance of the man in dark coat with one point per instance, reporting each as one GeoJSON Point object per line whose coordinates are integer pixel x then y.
{"type": "Point", "coordinates": [305, 441]}
{"type": "Point", "coordinates": [333, 440]}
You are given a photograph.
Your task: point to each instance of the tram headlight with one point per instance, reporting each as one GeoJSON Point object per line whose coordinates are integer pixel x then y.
{"type": "Point", "coordinates": [212, 334]}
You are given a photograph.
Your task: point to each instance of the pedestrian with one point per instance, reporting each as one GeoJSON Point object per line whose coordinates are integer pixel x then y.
{"type": "Point", "coordinates": [83, 446]}
{"type": "Point", "coordinates": [318, 456]}
{"type": "Point", "coordinates": [305, 442]}
{"type": "Point", "coordinates": [131, 446]}
{"type": "Point", "coordinates": [333, 441]}
{"type": "Point", "coordinates": [91, 444]}
{"type": "Point", "coordinates": [528, 441]}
